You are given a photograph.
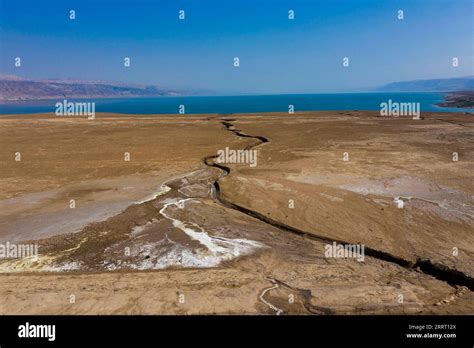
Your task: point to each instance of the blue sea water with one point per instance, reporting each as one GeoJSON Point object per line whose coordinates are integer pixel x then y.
{"type": "Point", "coordinates": [239, 104]}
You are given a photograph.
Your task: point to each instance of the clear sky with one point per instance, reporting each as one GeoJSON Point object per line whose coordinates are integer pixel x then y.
{"type": "Point", "coordinates": [277, 55]}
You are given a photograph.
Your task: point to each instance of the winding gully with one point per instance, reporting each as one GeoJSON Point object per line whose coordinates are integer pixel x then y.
{"type": "Point", "coordinates": [169, 202]}
{"type": "Point", "coordinates": [440, 272]}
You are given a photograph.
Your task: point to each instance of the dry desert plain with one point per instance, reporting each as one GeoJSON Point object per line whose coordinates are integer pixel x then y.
{"type": "Point", "coordinates": [171, 231]}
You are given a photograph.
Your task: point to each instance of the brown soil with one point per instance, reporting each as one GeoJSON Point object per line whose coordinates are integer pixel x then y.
{"type": "Point", "coordinates": [125, 261]}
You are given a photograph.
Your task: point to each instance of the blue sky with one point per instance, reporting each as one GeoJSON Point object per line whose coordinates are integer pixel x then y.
{"type": "Point", "coordinates": [277, 55]}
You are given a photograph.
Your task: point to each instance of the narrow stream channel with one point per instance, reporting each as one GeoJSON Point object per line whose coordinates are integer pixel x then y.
{"type": "Point", "coordinates": [440, 272]}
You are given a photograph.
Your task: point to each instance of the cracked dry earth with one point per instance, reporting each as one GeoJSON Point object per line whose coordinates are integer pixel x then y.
{"type": "Point", "coordinates": [219, 239]}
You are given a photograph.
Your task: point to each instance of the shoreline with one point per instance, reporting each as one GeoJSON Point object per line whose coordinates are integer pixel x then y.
{"type": "Point", "coordinates": [458, 99]}
{"type": "Point", "coordinates": [243, 104]}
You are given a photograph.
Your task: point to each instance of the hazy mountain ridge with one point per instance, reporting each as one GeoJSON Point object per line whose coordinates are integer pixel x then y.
{"type": "Point", "coordinates": [16, 88]}
{"type": "Point", "coordinates": [432, 85]}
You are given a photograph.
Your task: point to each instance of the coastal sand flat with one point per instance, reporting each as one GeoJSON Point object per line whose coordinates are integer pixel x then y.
{"type": "Point", "coordinates": [254, 267]}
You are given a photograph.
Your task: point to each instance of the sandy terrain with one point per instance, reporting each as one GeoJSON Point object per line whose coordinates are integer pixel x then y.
{"type": "Point", "coordinates": [64, 159]}
{"type": "Point", "coordinates": [354, 200]}
{"type": "Point", "coordinates": [155, 235]}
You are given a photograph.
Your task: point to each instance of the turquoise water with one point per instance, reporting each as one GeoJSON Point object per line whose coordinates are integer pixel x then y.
{"type": "Point", "coordinates": [240, 104]}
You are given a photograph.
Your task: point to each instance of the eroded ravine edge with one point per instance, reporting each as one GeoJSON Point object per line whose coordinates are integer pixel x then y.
{"type": "Point", "coordinates": [441, 272]}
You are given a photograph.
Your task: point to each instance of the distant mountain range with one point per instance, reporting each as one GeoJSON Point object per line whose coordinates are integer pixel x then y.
{"type": "Point", "coordinates": [434, 85]}
{"type": "Point", "coordinates": [14, 88]}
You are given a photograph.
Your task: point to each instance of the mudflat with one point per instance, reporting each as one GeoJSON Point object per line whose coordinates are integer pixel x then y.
{"type": "Point", "coordinates": [157, 226]}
